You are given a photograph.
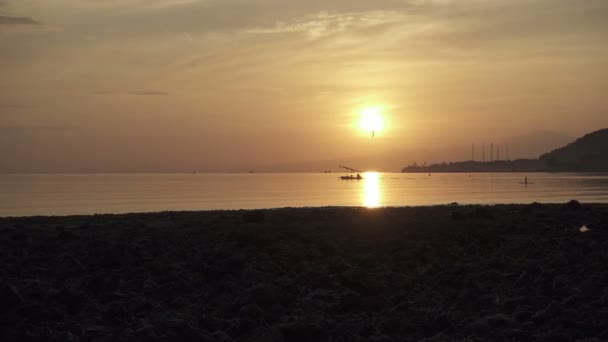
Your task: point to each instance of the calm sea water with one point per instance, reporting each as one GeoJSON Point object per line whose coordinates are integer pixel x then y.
{"type": "Point", "coordinates": [64, 194]}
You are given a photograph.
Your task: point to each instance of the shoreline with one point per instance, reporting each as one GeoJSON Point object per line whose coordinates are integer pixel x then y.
{"type": "Point", "coordinates": [328, 207]}
{"type": "Point", "coordinates": [442, 273]}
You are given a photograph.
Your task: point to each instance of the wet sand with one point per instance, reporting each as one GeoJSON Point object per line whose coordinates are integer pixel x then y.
{"type": "Point", "coordinates": [442, 273]}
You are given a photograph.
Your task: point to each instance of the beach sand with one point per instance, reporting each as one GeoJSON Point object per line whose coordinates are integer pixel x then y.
{"type": "Point", "coordinates": [441, 273]}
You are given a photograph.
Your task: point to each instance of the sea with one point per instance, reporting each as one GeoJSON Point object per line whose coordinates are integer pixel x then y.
{"type": "Point", "coordinates": [77, 194]}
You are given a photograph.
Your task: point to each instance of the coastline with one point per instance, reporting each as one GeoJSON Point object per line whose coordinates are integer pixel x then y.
{"type": "Point", "coordinates": [454, 272]}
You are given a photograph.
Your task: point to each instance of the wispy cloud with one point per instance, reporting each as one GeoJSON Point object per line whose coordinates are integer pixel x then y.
{"type": "Point", "coordinates": [17, 128]}
{"type": "Point", "coordinates": [324, 24]}
{"type": "Point", "coordinates": [10, 20]}
{"type": "Point", "coordinates": [12, 106]}
{"type": "Point", "coordinates": [132, 92]}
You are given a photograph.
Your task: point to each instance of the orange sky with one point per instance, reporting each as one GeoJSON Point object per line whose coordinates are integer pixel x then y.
{"type": "Point", "coordinates": [276, 85]}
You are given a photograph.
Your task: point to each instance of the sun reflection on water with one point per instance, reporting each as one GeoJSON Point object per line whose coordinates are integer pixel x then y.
{"type": "Point", "coordinates": [371, 190]}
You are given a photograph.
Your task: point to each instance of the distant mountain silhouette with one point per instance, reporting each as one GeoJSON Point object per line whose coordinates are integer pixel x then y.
{"type": "Point", "coordinates": [589, 153]}
{"type": "Point", "coordinates": [586, 154]}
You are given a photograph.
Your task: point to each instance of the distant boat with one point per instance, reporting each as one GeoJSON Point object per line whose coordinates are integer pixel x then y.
{"type": "Point", "coordinates": [351, 176]}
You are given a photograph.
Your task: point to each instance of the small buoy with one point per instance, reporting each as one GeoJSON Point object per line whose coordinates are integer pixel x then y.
{"type": "Point", "coordinates": [584, 229]}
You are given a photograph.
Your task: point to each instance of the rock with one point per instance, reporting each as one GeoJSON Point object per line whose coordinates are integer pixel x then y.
{"type": "Point", "coordinates": [548, 313]}
{"type": "Point", "coordinates": [381, 338]}
{"type": "Point", "coordinates": [37, 312]}
{"type": "Point", "coordinates": [254, 216]}
{"type": "Point", "coordinates": [573, 205]}
{"type": "Point", "coordinates": [149, 285]}
{"type": "Point", "coordinates": [350, 301]}
{"type": "Point", "coordinates": [265, 295]}
{"type": "Point", "coordinates": [93, 332]}
{"type": "Point", "coordinates": [180, 302]}
{"type": "Point", "coordinates": [146, 332]}
{"type": "Point", "coordinates": [457, 215]}
{"type": "Point", "coordinates": [171, 319]}
{"type": "Point", "coordinates": [523, 315]}
{"type": "Point", "coordinates": [536, 205]}
{"type": "Point", "coordinates": [437, 338]}
{"type": "Point", "coordinates": [9, 297]}
{"type": "Point", "coordinates": [483, 213]}
{"type": "Point", "coordinates": [492, 323]}
{"type": "Point", "coordinates": [267, 335]}
{"type": "Point", "coordinates": [500, 321]}
{"type": "Point", "coordinates": [64, 234]}
{"type": "Point", "coordinates": [302, 331]}
{"type": "Point", "coordinates": [113, 312]}
{"type": "Point", "coordinates": [251, 311]}
{"type": "Point", "coordinates": [220, 336]}
{"type": "Point", "coordinates": [18, 235]}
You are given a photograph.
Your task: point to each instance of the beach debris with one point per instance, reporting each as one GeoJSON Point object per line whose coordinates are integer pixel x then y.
{"type": "Point", "coordinates": [584, 229]}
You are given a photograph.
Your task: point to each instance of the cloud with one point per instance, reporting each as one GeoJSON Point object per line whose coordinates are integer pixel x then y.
{"type": "Point", "coordinates": [133, 92]}
{"type": "Point", "coordinates": [148, 92]}
{"type": "Point", "coordinates": [323, 24]}
{"type": "Point", "coordinates": [20, 128]}
{"type": "Point", "coordinates": [9, 20]}
{"type": "Point", "coordinates": [12, 106]}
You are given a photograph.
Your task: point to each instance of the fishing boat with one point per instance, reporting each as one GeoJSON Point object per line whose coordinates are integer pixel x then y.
{"type": "Point", "coordinates": [351, 176]}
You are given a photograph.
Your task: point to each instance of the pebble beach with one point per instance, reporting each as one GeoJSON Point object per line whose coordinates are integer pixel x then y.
{"type": "Point", "coordinates": [533, 272]}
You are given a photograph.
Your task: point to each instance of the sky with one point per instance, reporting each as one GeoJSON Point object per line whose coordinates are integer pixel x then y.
{"type": "Point", "coordinates": [238, 85]}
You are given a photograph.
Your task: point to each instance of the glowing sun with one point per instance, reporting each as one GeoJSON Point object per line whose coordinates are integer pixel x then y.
{"type": "Point", "coordinates": [371, 121]}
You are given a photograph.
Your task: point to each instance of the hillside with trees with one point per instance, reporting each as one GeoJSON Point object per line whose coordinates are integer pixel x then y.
{"type": "Point", "coordinates": [587, 154]}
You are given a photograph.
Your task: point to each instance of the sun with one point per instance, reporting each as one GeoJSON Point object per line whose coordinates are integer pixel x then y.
{"type": "Point", "coordinates": [371, 120]}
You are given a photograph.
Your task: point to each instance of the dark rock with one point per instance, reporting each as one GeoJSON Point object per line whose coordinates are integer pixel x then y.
{"type": "Point", "coordinates": [254, 216]}
{"type": "Point", "coordinates": [437, 338]}
{"type": "Point", "coordinates": [220, 336]}
{"type": "Point", "coordinates": [457, 215]}
{"type": "Point", "coordinates": [180, 302]}
{"type": "Point", "coordinates": [267, 335]}
{"type": "Point", "coordinates": [350, 301]}
{"type": "Point", "coordinates": [265, 295]}
{"type": "Point", "coordinates": [9, 297]}
{"type": "Point", "coordinates": [483, 213]}
{"type": "Point", "coordinates": [302, 331]}
{"type": "Point", "coordinates": [548, 313]}
{"type": "Point", "coordinates": [37, 312]}
{"type": "Point", "coordinates": [536, 205]}
{"type": "Point", "coordinates": [251, 311]}
{"type": "Point", "coordinates": [113, 311]}
{"type": "Point", "coordinates": [18, 235]}
{"type": "Point", "coordinates": [64, 234]}
{"type": "Point", "coordinates": [492, 323]}
{"type": "Point", "coordinates": [171, 319]}
{"type": "Point", "coordinates": [146, 332]}
{"type": "Point", "coordinates": [573, 205]}
{"type": "Point", "coordinates": [522, 316]}
{"type": "Point", "coordinates": [380, 338]}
